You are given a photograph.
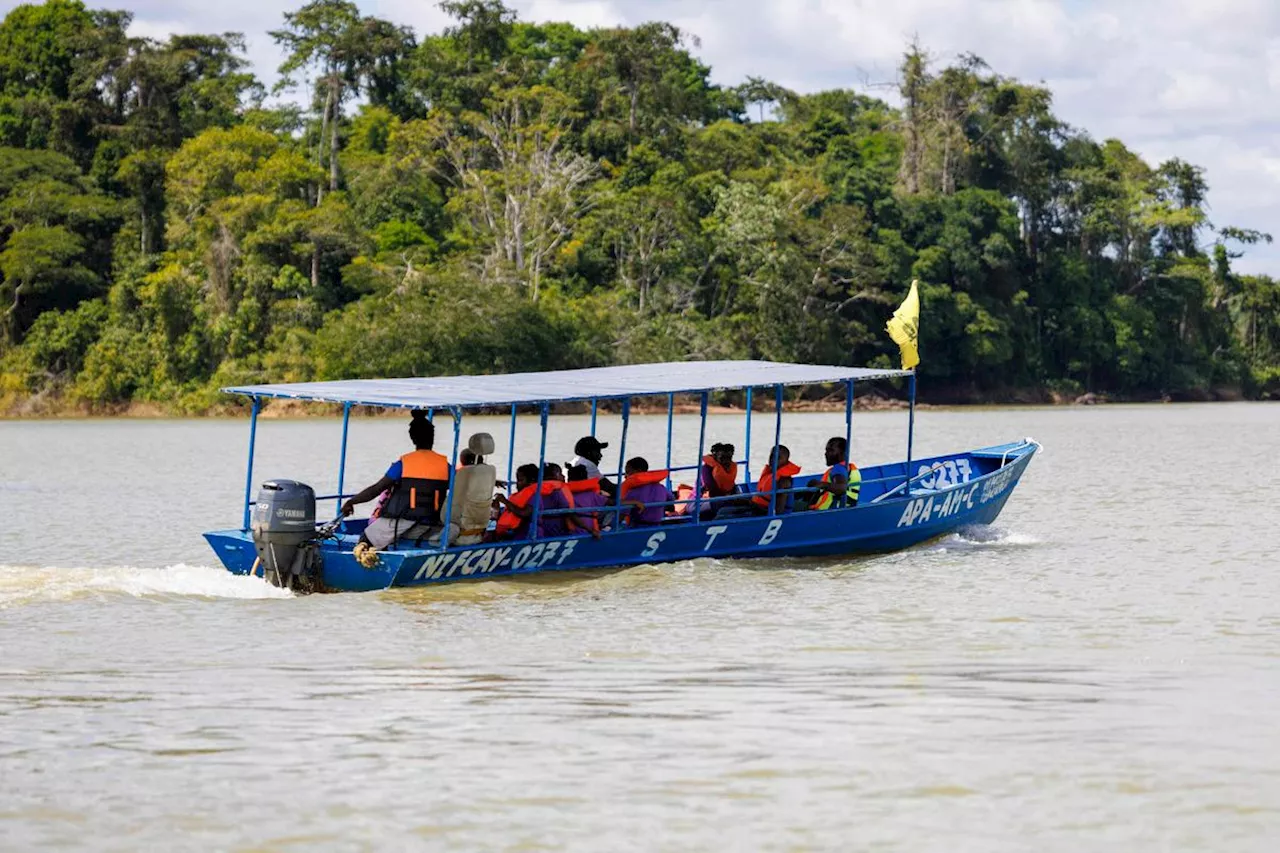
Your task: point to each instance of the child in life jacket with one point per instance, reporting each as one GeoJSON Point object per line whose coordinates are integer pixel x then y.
{"type": "Point", "coordinates": [588, 500]}
{"type": "Point", "coordinates": [646, 492]}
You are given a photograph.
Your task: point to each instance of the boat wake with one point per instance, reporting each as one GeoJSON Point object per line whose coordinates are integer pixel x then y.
{"type": "Point", "coordinates": [981, 539]}
{"type": "Point", "coordinates": [29, 584]}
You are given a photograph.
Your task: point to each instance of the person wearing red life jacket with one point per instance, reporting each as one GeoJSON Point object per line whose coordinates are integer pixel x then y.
{"type": "Point", "coordinates": [517, 510]}
{"type": "Point", "coordinates": [645, 491]}
{"type": "Point", "coordinates": [718, 478]}
{"type": "Point", "coordinates": [588, 500]}
{"type": "Point", "coordinates": [418, 483]}
{"type": "Point", "coordinates": [784, 469]}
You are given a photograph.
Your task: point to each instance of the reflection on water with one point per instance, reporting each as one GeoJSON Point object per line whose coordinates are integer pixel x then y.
{"type": "Point", "coordinates": [1097, 672]}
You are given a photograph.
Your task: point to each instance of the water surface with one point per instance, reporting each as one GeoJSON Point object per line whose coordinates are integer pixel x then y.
{"type": "Point", "coordinates": [1099, 671]}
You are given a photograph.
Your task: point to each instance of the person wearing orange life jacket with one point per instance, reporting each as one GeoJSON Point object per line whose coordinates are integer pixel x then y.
{"type": "Point", "coordinates": [513, 523]}
{"type": "Point", "coordinates": [718, 478]}
{"type": "Point", "coordinates": [418, 483]}
{"type": "Point", "coordinates": [588, 499]}
{"type": "Point", "coordinates": [841, 483]}
{"type": "Point", "coordinates": [784, 469]}
{"type": "Point", "coordinates": [554, 498]}
{"type": "Point", "coordinates": [644, 491]}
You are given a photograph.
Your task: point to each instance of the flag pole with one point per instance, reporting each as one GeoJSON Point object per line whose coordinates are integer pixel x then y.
{"type": "Point", "coordinates": [911, 427]}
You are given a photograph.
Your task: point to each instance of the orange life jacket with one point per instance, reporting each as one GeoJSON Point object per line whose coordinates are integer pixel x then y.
{"type": "Point", "coordinates": [643, 478]}
{"type": "Point", "coordinates": [684, 494]}
{"type": "Point", "coordinates": [726, 478]}
{"type": "Point", "coordinates": [790, 469]}
{"type": "Point", "coordinates": [827, 500]}
{"type": "Point", "coordinates": [420, 491]}
{"type": "Point", "coordinates": [580, 487]}
{"type": "Point", "coordinates": [585, 486]}
{"type": "Point", "coordinates": [508, 521]}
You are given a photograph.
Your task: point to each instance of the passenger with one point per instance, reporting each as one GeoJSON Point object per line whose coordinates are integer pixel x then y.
{"type": "Point", "coordinates": [555, 498]}
{"type": "Point", "coordinates": [418, 483]}
{"type": "Point", "coordinates": [841, 483]}
{"type": "Point", "coordinates": [644, 491]}
{"type": "Point", "coordinates": [589, 452]}
{"type": "Point", "coordinates": [786, 469]}
{"type": "Point", "coordinates": [520, 508]}
{"type": "Point", "coordinates": [718, 478]}
{"type": "Point", "coordinates": [472, 491]}
{"type": "Point", "coordinates": [587, 499]}
{"type": "Point", "coordinates": [513, 523]}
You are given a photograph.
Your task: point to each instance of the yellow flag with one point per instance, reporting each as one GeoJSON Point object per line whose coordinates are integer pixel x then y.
{"type": "Point", "coordinates": [904, 328]}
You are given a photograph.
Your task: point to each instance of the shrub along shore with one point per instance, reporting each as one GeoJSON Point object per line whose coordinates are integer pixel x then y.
{"type": "Point", "coordinates": [510, 195]}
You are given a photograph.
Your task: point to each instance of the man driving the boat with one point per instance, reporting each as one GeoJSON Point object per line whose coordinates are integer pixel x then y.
{"type": "Point", "coordinates": [418, 483]}
{"type": "Point", "coordinates": [840, 484]}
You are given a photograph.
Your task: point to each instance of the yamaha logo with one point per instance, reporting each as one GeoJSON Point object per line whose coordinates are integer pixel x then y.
{"type": "Point", "coordinates": [290, 513]}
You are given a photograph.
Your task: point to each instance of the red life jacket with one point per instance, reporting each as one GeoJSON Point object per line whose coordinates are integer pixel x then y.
{"type": "Point", "coordinates": [726, 478]}
{"type": "Point", "coordinates": [643, 478]}
{"type": "Point", "coordinates": [684, 494]}
{"type": "Point", "coordinates": [790, 469]}
{"type": "Point", "coordinates": [585, 487]}
{"type": "Point", "coordinates": [508, 521]}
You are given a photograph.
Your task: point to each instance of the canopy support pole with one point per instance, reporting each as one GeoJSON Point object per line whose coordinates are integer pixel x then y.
{"type": "Point", "coordinates": [622, 455]}
{"type": "Point", "coordinates": [773, 454]}
{"type": "Point", "coordinates": [671, 407]}
{"type": "Point", "coordinates": [746, 459]}
{"type": "Point", "coordinates": [342, 455]}
{"type": "Point", "coordinates": [542, 464]}
{"type": "Point", "coordinates": [911, 429]}
{"type": "Point", "coordinates": [702, 443]}
{"type": "Point", "coordinates": [453, 469]}
{"type": "Point", "coordinates": [511, 450]}
{"type": "Point", "coordinates": [848, 421]}
{"type": "Point", "coordinates": [595, 407]}
{"type": "Point", "coordinates": [248, 477]}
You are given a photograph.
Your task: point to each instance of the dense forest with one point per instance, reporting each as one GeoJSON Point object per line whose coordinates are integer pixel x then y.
{"type": "Point", "coordinates": [509, 195]}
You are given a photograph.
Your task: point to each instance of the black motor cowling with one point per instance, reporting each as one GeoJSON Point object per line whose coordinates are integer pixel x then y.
{"type": "Point", "coordinates": [284, 535]}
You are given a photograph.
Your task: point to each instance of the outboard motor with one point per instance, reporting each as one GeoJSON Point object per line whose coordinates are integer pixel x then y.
{"type": "Point", "coordinates": [284, 534]}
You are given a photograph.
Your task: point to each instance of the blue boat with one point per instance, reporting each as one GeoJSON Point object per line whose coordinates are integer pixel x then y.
{"type": "Point", "coordinates": [901, 504]}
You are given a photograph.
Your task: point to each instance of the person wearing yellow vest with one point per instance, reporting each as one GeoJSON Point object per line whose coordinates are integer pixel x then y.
{"type": "Point", "coordinates": [842, 482]}
{"type": "Point", "coordinates": [418, 484]}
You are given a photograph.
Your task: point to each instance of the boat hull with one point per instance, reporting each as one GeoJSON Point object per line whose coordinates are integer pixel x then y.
{"type": "Point", "coordinates": [884, 521]}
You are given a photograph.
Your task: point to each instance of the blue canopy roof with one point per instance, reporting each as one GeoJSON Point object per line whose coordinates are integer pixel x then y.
{"type": "Point", "coordinates": [630, 380]}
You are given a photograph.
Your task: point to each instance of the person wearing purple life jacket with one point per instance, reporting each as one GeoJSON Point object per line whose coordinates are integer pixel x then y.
{"type": "Point", "coordinates": [645, 491]}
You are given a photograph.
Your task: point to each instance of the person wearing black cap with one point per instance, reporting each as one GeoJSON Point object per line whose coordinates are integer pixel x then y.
{"type": "Point", "coordinates": [590, 451]}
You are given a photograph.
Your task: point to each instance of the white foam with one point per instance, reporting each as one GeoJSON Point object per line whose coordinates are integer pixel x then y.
{"type": "Point", "coordinates": [27, 584]}
{"type": "Point", "coordinates": [980, 538]}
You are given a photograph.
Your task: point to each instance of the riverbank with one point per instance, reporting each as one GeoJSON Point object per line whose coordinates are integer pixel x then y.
{"type": "Point", "coordinates": [49, 407]}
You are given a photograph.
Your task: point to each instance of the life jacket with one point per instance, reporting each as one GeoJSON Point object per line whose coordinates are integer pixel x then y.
{"type": "Point", "coordinates": [827, 500]}
{"type": "Point", "coordinates": [643, 478]}
{"type": "Point", "coordinates": [765, 486]}
{"type": "Point", "coordinates": [508, 521]}
{"type": "Point", "coordinates": [419, 493]}
{"type": "Point", "coordinates": [684, 494]}
{"type": "Point", "coordinates": [590, 487]}
{"type": "Point", "coordinates": [726, 478]}
{"type": "Point", "coordinates": [585, 486]}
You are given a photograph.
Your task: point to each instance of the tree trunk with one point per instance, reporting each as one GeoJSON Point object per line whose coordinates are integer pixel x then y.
{"type": "Point", "coordinates": [315, 266]}
{"type": "Point", "coordinates": [336, 97]}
